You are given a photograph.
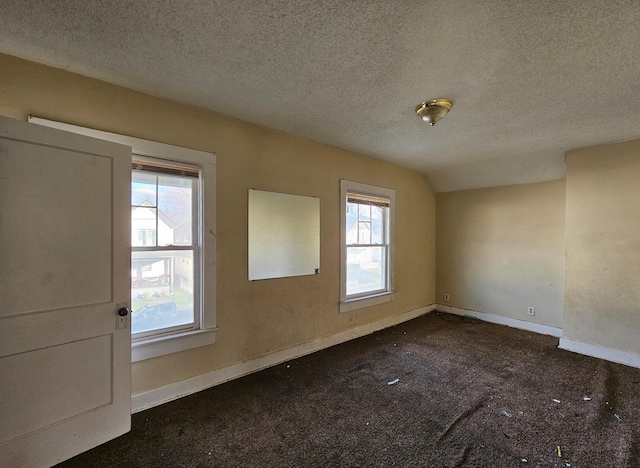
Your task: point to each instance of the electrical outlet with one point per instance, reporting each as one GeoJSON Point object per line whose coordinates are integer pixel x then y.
{"type": "Point", "coordinates": [446, 297]}
{"type": "Point", "coordinates": [531, 310]}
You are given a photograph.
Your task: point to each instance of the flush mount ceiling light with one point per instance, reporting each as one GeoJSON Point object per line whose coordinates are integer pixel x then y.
{"type": "Point", "coordinates": [434, 110]}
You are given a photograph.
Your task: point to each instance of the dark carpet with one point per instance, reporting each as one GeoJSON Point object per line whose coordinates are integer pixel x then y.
{"type": "Point", "coordinates": [466, 393]}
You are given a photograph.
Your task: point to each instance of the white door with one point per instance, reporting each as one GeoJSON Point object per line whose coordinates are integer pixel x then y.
{"type": "Point", "coordinates": [65, 352]}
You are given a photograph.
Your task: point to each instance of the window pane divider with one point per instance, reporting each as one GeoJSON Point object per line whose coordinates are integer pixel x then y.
{"type": "Point", "coordinates": [367, 245]}
{"type": "Point", "coordinates": [157, 210]}
{"type": "Point", "coordinates": [163, 248]}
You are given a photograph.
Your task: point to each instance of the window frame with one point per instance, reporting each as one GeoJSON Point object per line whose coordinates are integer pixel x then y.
{"type": "Point", "coordinates": [154, 166]}
{"type": "Point", "coordinates": [358, 301]}
{"type": "Point", "coordinates": [167, 343]}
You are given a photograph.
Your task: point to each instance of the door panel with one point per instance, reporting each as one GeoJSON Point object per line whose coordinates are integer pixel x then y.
{"type": "Point", "coordinates": [65, 368]}
{"type": "Point", "coordinates": [68, 394]}
{"type": "Point", "coordinates": [47, 191]}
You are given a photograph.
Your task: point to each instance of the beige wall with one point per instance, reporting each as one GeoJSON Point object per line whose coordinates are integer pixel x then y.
{"type": "Point", "coordinates": [501, 249]}
{"type": "Point", "coordinates": [255, 318]}
{"type": "Point", "coordinates": [602, 299]}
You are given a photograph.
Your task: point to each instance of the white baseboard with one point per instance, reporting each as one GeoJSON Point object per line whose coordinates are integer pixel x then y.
{"type": "Point", "coordinates": [510, 322]}
{"type": "Point", "coordinates": [157, 396]}
{"type": "Point", "coordinates": [601, 352]}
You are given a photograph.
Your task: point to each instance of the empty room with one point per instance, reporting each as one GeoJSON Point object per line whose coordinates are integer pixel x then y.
{"type": "Point", "coordinates": [320, 233]}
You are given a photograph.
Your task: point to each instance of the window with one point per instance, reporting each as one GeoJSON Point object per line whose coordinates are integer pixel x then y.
{"type": "Point", "coordinates": [165, 250]}
{"type": "Point", "coordinates": [144, 237]}
{"type": "Point", "coordinates": [173, 220]}
{"type": "Point", "coordinates": [366, 231]}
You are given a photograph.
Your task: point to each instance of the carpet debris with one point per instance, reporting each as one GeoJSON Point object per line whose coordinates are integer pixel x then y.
{"type": "Point", "coordinates": [559, 452]}
{"type": "Point", "coordinates": [393, 382]}
{"type": "Point", "coordinates": [556, 401]}
{"type": "Point", "coordinates": [586, 398]}
{"type": "Point", "coordinates": [506, 413]}
{"type": "Point", "coordinates": [524, 460]}
{"type": "Point", "coordinates": [617, 416]}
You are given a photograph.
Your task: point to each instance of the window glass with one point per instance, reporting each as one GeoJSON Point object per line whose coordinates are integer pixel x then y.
{"type": "Point", "coordinates": [143, 189]}
{"type": "Point", "coordinates": [377, 225]}
{"type": "Point", "coordinates": [365, 270]}
{"type": "Point", "coordinates": [163, 270]}
{"type": "Point", "coordinates": [175, 197]}
{"type": "Point", "coordinates": [367, 249]}
{"type": "Point", "coordinates": [161, 289]}
{"type": "Point", "coordinates": [143, 226]}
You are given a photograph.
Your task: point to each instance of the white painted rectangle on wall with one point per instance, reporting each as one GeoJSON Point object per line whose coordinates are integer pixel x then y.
{"type": "Point", "coordinates": [284, 235]}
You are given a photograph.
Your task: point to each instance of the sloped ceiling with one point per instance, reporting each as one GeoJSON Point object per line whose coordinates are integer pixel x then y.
{"type": "Point", "coordinates": [529, 79]}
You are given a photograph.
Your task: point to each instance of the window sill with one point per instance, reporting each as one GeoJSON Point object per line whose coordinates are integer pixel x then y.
{"type": "Point", "coordinates": [162, 345]}
{"type": "Point", "coordinates": [362, 302]}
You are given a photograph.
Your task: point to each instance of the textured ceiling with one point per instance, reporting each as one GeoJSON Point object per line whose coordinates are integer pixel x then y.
{"type": "Point", "coordinates": [529, 79]}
